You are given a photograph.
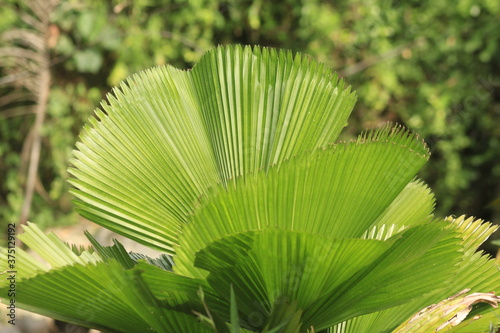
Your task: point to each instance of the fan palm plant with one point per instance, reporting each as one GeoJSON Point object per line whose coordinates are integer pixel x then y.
{"type": "Point", "coordinates": [231, 169]}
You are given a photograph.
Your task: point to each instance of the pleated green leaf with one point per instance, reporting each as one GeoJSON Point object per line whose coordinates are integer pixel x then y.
{"type": "Point", "coordinates": [105, 289]}
{"type": "Point", "coordinates": [476, 271]}
{"type": "Point", "coordinates": [235, 317]}
{"type": "Point", "coordinates": [261, 106]}
{"type": "Point", "coordinates": [163, 261]}
{"type": "Point", "coordinates": [165, 137]}
{"type": "Point", "coordinates": [412, 206]}
{"type": "Point", "coordinates": [303, 267]}
{"type": "Point", "coordinates": [49, 248]}
{"type": "Point", "coordinates": [473, 231]}
{"type": "Point", "coordinates": [233, 169]}
{"type": "Point", "coordinates": [22, 263]}
{"type": "Point", "coordinates": [316, 194]}
{"type": "Point", "coordinates": [420, 261]}
{"type": "Point", "coordinates": [330, 279]}
{"type": "Point", "coordinates": [181, 293]}
{"type": "Point", "coordinates": [102, 296]}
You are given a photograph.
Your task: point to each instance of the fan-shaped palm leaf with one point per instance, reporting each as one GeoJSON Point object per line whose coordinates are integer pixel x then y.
{"type": "Point", "coordinates": [232, 169]}
{"type": "Point", "coordinates": [238, 111]}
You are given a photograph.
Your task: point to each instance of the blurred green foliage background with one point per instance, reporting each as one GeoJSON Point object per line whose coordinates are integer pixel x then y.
{"type": "Point", "coordinates": [431, 65]}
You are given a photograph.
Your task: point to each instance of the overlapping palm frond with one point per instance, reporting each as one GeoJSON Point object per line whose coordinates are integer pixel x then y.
{"type": "Point", "coordinates": [268, 225]}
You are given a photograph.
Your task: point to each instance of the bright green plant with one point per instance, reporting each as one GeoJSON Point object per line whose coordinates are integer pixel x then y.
{"type": "Point", "coordinates": [423, 64]}
{"type": "Point", "coordinates": [267, 224]}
